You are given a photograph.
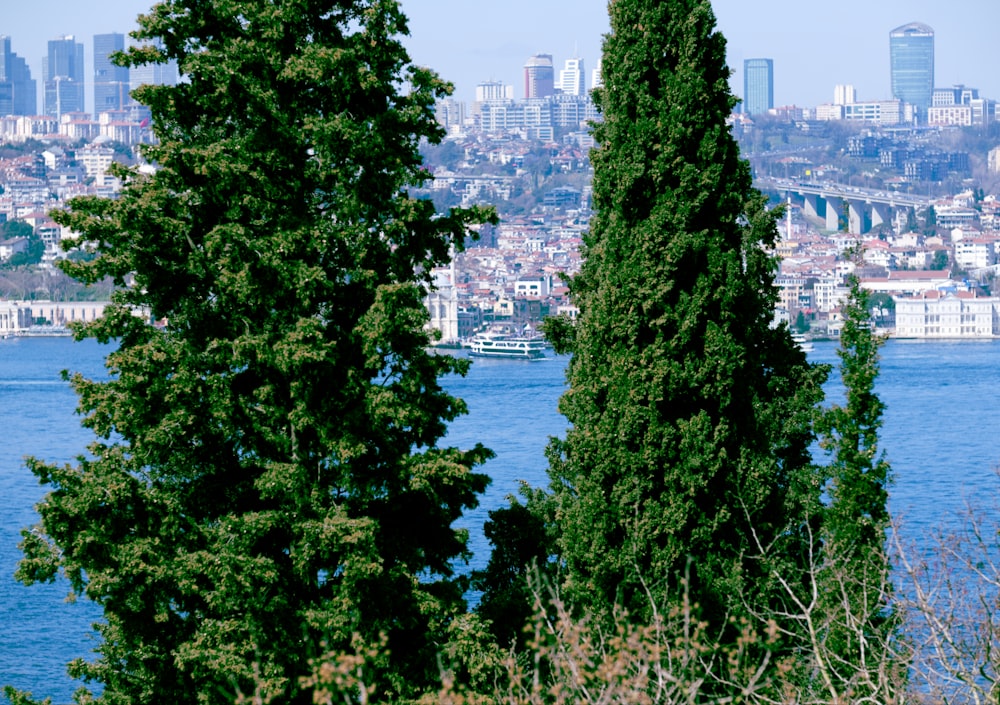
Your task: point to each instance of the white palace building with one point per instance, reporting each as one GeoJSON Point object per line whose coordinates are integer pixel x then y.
{"type": "Point", "coordinates": [947, 314]}
{"type": "Point", "coordinates": [27, 317]}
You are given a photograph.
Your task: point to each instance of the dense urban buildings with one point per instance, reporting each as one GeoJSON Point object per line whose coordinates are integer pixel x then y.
{"type": "Point", "coordinates": [532, 152]}
{"type": "Point", "coordinates": [911, 65]}
{"type": "Point", "coordinates": [63, 76]}
{"type": "Point", "coordinates": [758, 86]}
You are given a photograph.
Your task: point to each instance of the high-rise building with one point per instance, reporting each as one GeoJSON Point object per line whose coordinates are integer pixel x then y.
{"type": "Point", "coordinates": [758, 86]}
{"type": "Point", "coordinates": [62, 74]}
{"type": "Point", "coordinates": [111, 82]}
{"type": "Point", "coordinates": [18, 91]}
{"type": "Point", "coordinates": [844, 94]}
{"type": "Point", "coordinates": [911, 65]}
{"type": "Point", "coordinates": [572, 79]}
{"type": "Point", "coordinates": [539, 76]}
{"type": "Point", "coordinates": [595, 77]}
{"type": "Point", "coordinates": [493, 90]}
{"type": "Point", "coordinates": [150, 74]}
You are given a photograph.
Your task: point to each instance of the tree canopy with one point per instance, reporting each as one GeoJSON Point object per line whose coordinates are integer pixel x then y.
{"type": "Point", "coordinates": [266, 478]}
{"type": "Point", "coordinates": [688, 456]}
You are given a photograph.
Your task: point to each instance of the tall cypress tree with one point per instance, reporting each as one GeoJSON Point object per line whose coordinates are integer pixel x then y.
{"type": "Point", "coordinates": [688, 451]}
{"type": "Point", "coordinates": [266, 476]}
{"type": "Point", "coordinates": [860, 628]}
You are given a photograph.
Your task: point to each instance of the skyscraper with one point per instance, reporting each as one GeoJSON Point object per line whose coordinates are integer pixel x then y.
{"type": "Point", "coordinates": [62, 73]}
{"type": "Point", "coordinates": [150, 74]}
{"type": "Point", "coordinates": [18, 91]}
{"type": "Point", "coordinates": [111, 82]}
{"type": "Point", "coordinates": [758, 86]}
{"type": "Point", "coordinates": [539, 76]}
{"type": "Point", "coordinates": [911, 65]}
{"type": "Point", "coordinates": [573, 78]}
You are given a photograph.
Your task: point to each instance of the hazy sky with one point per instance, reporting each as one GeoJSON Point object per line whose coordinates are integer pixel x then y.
{"type": "Point", "coordinates": [814, 45]}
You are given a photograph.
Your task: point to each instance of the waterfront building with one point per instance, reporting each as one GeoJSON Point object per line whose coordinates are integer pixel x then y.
{"type": "Point", "coordinates": [758, 86]}
{"type": "Point", "coordinates": [18, 91]}
{"type": "Point", "coordinates": [539, 76]}
{"type": "Point", "coordinates": [911, 63]}
{"type": "Point", "coordinates": [111, 82]}
{"type": "Point", "coordinates": [62, 73]}
{"type": "Point", "coordinates": [572, 79]}
{"type": "Point", "coordinates": [937, 314]}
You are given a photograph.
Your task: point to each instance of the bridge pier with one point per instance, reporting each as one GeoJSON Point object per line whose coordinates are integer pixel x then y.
{"type": "Point", "coordinates": [856, 217]}
{"type": "Point", "coordinates": [810, 205]}
{"type": "Point", "coordinates": [834, 211]}
{"type": "Point", "coordinates": [881, 213]}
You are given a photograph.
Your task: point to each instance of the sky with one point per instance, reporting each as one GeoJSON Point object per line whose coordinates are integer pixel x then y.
{"type": "Point", "coordinates": [814, 45]}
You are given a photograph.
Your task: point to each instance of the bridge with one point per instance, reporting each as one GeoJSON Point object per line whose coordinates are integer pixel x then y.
{"type": "Point", "coordinates": [864, 209]}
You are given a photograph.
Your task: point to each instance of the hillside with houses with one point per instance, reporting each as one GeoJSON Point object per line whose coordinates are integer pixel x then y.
{"type": "Point", "coordinates": [932, 270]}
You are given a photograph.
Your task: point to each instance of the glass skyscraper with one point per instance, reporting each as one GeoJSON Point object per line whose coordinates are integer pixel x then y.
{"type": "Point", "coordinates": [62, 72]}
{"type": "Point", "coordinates": [911, 65]}
{"type": "Point", "coordinates": [758, 86]}
{"type": "Point", "coordinates": [111, 82]}
{"type": "Point", "coordinates": [18, 92]}
{"type": "Point", "coordinates": [153, 75]}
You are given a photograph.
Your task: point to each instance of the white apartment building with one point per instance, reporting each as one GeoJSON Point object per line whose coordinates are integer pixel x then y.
{"type": "Point", "coordinates": [975, 253]}
{"type": "Point", "coordinates": [572, 79]}
{"type": "Point", "coordinates": [936, 314]}
{"type": "Point", "coordinates": [829, 293]}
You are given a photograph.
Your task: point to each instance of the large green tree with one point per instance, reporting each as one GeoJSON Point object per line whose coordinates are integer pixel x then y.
{"type": "Point", "coordinates": [266, 479]}
{"type": "Point", "coordinates": [688, 453]}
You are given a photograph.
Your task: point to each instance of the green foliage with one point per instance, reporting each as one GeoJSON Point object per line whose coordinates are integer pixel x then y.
{"type": "Point", "coordinates": [523, 539]}
{"type": "Point", "coordinates": [939, 261]}
{"type": "Point", "coordinates": [801, 324]}
{"type": "Point", "coordinates": [691, 414]}
{"type": "Point", "coordinates": [12, 229]}
{"type": "Point", "coordinates": [930, 221]}
{"type": "Point", "coordinates": [266, 475]}
{"type": "Point", "coordinates": [856, 519]}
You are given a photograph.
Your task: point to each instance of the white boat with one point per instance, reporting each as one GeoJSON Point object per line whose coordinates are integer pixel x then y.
{"type": "Point", "coordinates": [804, 344]}
{"type": "Point", "coordinates": [506, 346]}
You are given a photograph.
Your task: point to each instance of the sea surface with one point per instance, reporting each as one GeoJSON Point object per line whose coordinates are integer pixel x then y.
{"type": "Point", "coordinates": [940, 434]}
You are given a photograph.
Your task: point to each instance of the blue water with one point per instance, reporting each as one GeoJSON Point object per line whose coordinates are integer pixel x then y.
{"type": "Point", "coordinates": [939, 434]}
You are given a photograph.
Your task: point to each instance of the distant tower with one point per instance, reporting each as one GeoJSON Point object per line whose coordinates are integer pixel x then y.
{"type": "Point", "coordinates": [758, 86]}
{"type": "Point", "coordinates": [151, 74]}
{"type": "Point", "coordinates": [844, 94]}
{"type": "Point", "coordinates": [62, 73]}
{"type": "Point", "coordinates": [539, 76]}
{"type": "Point", "coordinates": [572, 79]}
{"type": "Point", "coordinates": [911, 65]}
{"type": "Point", "coordinates": [595, 77]}
{"type": "Point", "coordinates": [18, 91]}
{"type": "Point", "coordinates": [493, 90]}
{"type": "Point", "coordinates": [111, 82]}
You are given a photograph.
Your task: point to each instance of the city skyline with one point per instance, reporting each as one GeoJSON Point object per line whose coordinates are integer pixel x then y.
{"type": "Point", "coordinates": [814, 48]}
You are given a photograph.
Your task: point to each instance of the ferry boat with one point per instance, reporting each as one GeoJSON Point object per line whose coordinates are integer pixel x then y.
{"type": "Point", "coordinates": [805, 345]}
{"type": "Point", "coordinates": [506, 346]}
